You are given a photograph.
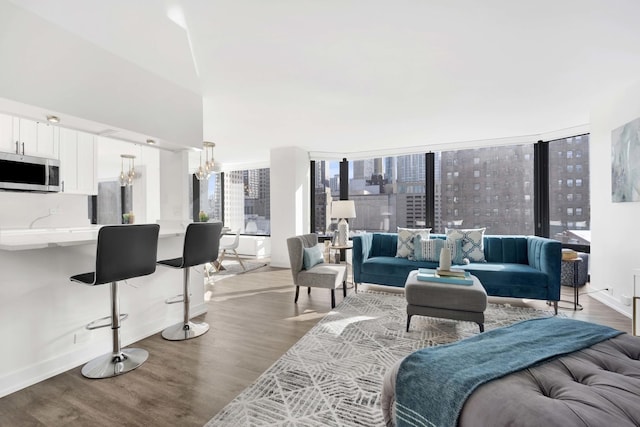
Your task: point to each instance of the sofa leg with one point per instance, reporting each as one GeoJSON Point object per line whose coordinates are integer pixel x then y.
{"type": "Point", "coordinates": [408, 321]}
{"type": "Point", "coordinates": [309, 290]}
{"type": "Point", "coordinates": [481, 325]}
{"type": "Point", "coordinates": [555, 307]}
{"type": "Point", "coordinates": [344, 288]}
{"type": "Point", "coordinates": [295, 300]}
{"type": "Point", "coordinates": [333, 298]}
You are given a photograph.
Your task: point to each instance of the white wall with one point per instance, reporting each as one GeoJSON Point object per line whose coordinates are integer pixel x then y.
{"type": "Point", "coordinates": [290, 199]}
{"type": "Point", "coordinates": [614, 226]}
{"type": "Point", "coordinates": [46, 66]}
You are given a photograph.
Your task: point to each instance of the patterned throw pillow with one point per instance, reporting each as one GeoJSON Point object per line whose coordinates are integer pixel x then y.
{"type": "Point", "coordinates": [472, 241]}
{"type": "Point", "coordinates": [429, 250]}
{"type": "Point", "coordinates": [406, 240]}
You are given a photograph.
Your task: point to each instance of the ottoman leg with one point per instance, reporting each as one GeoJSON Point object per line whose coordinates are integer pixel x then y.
{"type": "Point", "coordinates": [408, 321]}
{"type": "Point", "coordinates": [481, 325]}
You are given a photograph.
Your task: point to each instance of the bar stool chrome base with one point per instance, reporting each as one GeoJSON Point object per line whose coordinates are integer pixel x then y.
{"type": "Point", "coordinates": [181, 332]}
{"type": "Point", "coordinates": [112, 365]}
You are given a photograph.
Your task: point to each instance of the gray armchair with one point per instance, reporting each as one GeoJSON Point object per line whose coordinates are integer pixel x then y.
{"type": "Point", "coordinates": [323, 275]}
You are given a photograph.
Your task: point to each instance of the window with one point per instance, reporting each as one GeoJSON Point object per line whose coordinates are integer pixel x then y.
{"type": "Point", "coordinates": [211, 197]}
{"type": "Point", "coordinates": [326, 189]}
{"type": "Point", "coordinates": [247, 201]}
{"type": "Point", "coordinates": [500, 164]}
{"type": "Point", "coordinates": [570, 201]}
{"type": "Point", "coordinates": [388, 192]}
{"type": "Point", "coordinates": [490, 187]}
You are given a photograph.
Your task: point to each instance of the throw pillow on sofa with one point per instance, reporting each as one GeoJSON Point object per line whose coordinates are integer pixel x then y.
{"type": "Point", "coordinates": [472, 241]}
{"type": "Point", "coordinates": [429, 250]}
{"type": "Point", "coordinates": [406, 238]}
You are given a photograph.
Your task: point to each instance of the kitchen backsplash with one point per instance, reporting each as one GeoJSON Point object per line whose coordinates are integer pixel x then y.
{"type": "Point", "coordinates": [43, 210]}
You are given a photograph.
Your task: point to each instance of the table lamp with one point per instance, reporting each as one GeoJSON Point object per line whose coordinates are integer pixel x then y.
{"type": "Point", "coordinates": [342, 209]}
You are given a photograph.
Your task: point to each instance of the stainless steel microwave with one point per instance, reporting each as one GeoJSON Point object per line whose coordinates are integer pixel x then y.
{"type": "Point", "coordinates": [29, 173]}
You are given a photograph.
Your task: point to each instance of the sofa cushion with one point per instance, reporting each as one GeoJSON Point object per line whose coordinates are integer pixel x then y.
{"type": "Point", "coordinates": [472, 242]}
{"type": "Point", "coordinates": [510, 274]}
{"type": "Point", "coordinates": [512, 249]}
{"type": "Point", "coordinates": [429, 249]}
{"type": "Point", "coordinates": [386, 266]}
{"type": "Point", "coordinates": [406, 238]}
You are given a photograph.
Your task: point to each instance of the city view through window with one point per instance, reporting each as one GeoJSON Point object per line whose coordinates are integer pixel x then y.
{"type": "Point", "coordinates": [490, 187]}
{"type": "Point", "coordinates": [246, 196]}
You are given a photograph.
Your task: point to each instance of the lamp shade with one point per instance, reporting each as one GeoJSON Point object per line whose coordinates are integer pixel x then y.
{"type": "Point", "coordinates": [343, 209]}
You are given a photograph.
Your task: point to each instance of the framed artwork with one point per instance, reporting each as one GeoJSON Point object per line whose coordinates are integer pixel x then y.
{"type": "Point", "coordinates": [625, 162]}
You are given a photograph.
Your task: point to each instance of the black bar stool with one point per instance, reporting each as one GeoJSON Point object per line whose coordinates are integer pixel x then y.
{"type": "Point", "coordinates": [123, 252]}
{"type": "Point", "coordinates": [201, 243]}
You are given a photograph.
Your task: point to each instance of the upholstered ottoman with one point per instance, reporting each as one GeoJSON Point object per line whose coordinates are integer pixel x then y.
{"type": "Point", "coordinates": [444, 300]}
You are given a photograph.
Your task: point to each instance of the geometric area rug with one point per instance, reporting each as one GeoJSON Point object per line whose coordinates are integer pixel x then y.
{"type": "Point", "coordinates": [333, 375]}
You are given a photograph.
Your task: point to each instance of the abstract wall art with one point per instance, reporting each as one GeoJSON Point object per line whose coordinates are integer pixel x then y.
{"type": "Point", "coordinates": [625, 162]}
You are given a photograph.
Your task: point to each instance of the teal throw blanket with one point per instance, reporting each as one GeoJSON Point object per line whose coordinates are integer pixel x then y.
{"type": "Point", "coordinates": [433, 383]}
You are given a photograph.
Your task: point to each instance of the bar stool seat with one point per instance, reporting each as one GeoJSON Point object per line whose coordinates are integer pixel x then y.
{"type": "Point", "coordinates": [123, 252]}
{"type": "Point", "coordinates": [201, 243]}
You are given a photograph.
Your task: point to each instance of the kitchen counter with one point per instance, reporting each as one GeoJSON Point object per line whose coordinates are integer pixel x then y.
{"type": "Point", "coordinates": [20, 239]}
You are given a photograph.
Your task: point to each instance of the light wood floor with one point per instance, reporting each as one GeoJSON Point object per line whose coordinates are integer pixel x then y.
{"type": "Point", "coordinates": [253, 322]}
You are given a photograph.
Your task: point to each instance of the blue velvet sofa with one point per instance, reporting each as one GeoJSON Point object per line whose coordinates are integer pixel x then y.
{"type": "Point", "coordinates": [516, 267]}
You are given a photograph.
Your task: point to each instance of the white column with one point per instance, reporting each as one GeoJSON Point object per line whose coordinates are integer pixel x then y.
{"type": "Point", "coordinates": [290, 200]}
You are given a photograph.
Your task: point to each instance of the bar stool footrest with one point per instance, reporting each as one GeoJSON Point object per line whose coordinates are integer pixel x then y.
{"type": "Point", "coordinates": [94, 325]}
{"type": "Point", "coordinates": [181, 331]}
{"type": "Point", "coordinates": [175, 299]}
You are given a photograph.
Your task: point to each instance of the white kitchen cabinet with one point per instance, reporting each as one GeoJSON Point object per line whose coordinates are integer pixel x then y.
{"type": "Point", "coordinates": [35, 138]}
{"type": "Point", "coordinates": [46, 140]}
{"type": "Point", "coordinates": [7, 143]}
{"type": "Point", "coordinates": [77, 162]}
{"type": "Point", "coordinates": [87, 182]}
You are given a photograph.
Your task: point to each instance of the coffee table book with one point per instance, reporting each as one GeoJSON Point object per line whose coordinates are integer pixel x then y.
{"type": "Point", "coordinates": [428, 275]}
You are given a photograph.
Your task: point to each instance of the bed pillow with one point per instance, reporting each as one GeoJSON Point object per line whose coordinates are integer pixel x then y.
{"type": "Point", "coordinates": [312, 256]}
{"type": "Point", "coordinates": [472, 242]}
{"type": "Point", "coordinates": [406, 238]}
{"type": "Point", "coordinates": [429, 250]}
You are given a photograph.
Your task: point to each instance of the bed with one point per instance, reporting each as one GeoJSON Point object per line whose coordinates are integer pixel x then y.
{"type": "Point", "coordinates": [598, 385]}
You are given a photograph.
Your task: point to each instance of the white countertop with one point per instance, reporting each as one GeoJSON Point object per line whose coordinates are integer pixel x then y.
{"type": "Point", "coordinates": [38, 238]}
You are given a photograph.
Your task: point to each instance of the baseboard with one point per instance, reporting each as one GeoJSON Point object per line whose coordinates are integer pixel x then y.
{"type": "Point", "coordinates": [606, 299]}
{"type": "Point", "coordinates": [79, 355]}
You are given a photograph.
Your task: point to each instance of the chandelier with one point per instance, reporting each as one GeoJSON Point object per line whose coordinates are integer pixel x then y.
{"type": "Point", "coordinates": [204, 171]}
{"type": "Point", "coordinates": [126, 178]}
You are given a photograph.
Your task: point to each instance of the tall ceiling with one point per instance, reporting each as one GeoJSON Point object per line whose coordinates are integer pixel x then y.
{"type": "Point", "coordinates": [356, 76]}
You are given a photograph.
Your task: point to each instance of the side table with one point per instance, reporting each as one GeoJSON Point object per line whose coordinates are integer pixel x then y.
{"type": "Point", "coordinates": [341, 249]}
{"type": "Point", "coordinates": [574, 273]}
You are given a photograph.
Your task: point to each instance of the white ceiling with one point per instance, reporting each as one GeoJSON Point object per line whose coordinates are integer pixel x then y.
{"type": "Point", "coordinates": [354, 76]}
